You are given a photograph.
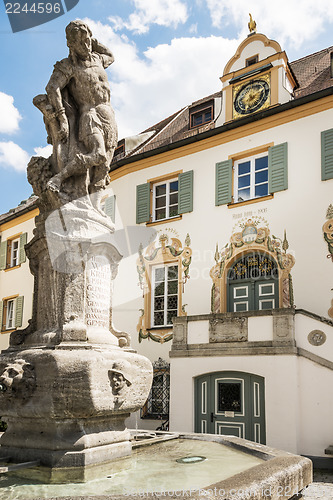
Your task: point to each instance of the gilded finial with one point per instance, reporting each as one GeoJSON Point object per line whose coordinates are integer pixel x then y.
{"type": "Point", "coordinates": [329, 213]}
{"type": "Point", "coordinates": [217, 255]}
{"type": "Point", "coordinates": [252, 25]}
{"type": "Point", "coordinates": [285, 244]}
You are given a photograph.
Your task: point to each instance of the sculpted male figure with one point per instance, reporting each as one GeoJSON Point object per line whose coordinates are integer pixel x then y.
{"type": "Point", "coordinates": [79, 88]}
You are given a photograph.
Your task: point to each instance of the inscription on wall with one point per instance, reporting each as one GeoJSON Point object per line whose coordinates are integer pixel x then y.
{"type": "Point", "coordinates": [249, 213]}
{"type": "Point", "coordinates": [98, 282]}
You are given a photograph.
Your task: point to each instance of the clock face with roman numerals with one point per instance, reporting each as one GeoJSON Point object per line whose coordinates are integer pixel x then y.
{"type": "Point", "coordinates": [251, 97]}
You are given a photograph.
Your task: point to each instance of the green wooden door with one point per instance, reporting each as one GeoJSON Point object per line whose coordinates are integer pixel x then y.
{"type": "Point", "coordinates": [231, 403]}
{"type": "Point", "coordinates": [253, 295]}
{"type": "Point", "coordinates": [253, 284]}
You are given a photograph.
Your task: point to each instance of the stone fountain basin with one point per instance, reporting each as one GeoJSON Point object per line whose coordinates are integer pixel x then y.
{"type": "Point", "coordinates": [245, 470]}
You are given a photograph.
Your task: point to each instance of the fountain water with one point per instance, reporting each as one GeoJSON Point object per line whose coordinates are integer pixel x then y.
{"type": "Point", "coordinates": [229, 468]}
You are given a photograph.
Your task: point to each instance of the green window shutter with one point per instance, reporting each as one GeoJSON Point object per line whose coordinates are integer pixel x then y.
{"type": "Point", "coordinates": [142, 203]}
{"type": "Point", "coordinates": [23, 241]}
{"type": "Point", "coordinates": [110, 207]}
{"type": "Point", "coordinates": [185, 192]}
{"type": "Point", "coordinates": [223, 182]}
{"type": "Point", "coordinates": [327, 155]}
{"type": "Point", "coordinates": [278, 168]}
{"type": "Point", "coordinates": [19, 311]}
{"type": "Point", "coordinates": [1, 314]}
{"type": "Point", "coordinates": [3, 254]}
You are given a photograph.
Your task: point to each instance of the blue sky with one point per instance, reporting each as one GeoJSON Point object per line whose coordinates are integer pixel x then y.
{"type": "Point", "coordinates": [168, 53]}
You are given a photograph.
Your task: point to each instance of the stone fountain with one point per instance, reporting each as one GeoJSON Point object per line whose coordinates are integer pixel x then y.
{"type": "Point", "coordinates": [69, 380]}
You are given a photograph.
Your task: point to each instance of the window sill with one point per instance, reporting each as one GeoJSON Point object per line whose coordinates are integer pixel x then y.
{"type": "Point", "coordinates": [194, 127]}
{"type": "Point", "coordinates": [248, 202]}
{"type": "Point", "coordinates": [159, 328]}
{"type": "Point", "coordinates": [164, 221]}
{"type": "Point", "coordinates": [153, 417]}
{"type": "Point", "coordinates": [11, 268]}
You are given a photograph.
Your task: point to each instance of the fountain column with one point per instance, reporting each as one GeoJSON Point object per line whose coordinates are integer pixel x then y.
{"type": "Point", "coordinates": [69, 380]}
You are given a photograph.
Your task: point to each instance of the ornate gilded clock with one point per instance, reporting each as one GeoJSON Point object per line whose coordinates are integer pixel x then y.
{"type": "Point", "coordinates": [251, 96]}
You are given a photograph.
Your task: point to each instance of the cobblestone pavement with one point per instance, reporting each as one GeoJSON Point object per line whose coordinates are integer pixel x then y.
{"type": "Point", "coordinates": [323, 476]}
{"type": "Point", "coordinates": [322, 486]}
{"type": "Point", "coordinates": [318, 491]}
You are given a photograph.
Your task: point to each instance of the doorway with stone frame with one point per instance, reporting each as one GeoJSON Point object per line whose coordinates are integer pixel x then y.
{"type": "Point", "coordinates": [231, 403]}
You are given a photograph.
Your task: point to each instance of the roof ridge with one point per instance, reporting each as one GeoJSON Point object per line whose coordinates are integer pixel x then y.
{"type": "Point", "coordinates": [327, 49]}
{"type": "Point", "coordinates": [167, 119]}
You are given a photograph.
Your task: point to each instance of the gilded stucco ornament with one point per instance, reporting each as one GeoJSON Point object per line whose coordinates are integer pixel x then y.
{"type": "Point", "coordinates": [252, 235]}
{"type": "Point", "coordinates": [330, 311]}
{"type": "Point", "coordinates": [328, 237]}
{"type": "Point", "coordinates": [167, 250]}
{"type": "Point", "coordinates": [252, 25]}
{"type": "Point", "coordinates": [328, 231]}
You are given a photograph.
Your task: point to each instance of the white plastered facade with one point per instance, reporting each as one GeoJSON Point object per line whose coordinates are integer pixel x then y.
{"type": "Point", "coordinates": [18, 280]}
{"type": "Point", "coordinates": [298, 396]}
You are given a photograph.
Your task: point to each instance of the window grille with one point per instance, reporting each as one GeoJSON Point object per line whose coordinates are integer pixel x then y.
{"type": "Point", "coordinates": [165, 295]}
{"type": "Point", "coordinates": [253, 266]}
{"type": "Point", "coordinates": [157, 404]}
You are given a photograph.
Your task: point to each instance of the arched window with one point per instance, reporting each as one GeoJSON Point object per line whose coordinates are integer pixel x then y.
{"type": "Point", "coordinates": [253, 283]}
{"type": "Point", "coordinates": [253, 271]}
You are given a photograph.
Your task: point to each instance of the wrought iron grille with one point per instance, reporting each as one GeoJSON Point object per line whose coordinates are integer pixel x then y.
{"type": "Point", "coordinates": [253, 266]}
{"type": "Point", "coordinates": [230, 398]}
{"type": "Point", "coordinates": [157, 404]}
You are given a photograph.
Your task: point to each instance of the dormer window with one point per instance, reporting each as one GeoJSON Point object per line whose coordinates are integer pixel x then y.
{"type": "Point", "coordinates": [201, 114]}
{"type": "Point", "coordinates": [252, 60]}
{"type": "Point", "coordinates": [120, 149]}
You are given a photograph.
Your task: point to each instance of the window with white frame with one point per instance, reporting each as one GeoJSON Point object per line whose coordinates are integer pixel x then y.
{"type": "Point", "coordinates": [10, 309]}
{"type": "Point", "coordinates": [14, 252]}
{"type": "Point", "coordinates": [251, 178]}
{"type": "Point", "coordinates": [165, 200]}
{"type": "Point", "coordinates": [11, 313]}
{"type": "Point", "coordinates": [164, 294]}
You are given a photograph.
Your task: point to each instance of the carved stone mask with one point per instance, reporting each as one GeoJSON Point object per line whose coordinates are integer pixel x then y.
{"type": "Point", "coordinates": [18, 379]}
{"type": "Point", "coordinates": [119, 378]}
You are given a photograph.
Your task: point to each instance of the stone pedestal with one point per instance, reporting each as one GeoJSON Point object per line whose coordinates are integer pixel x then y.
{"type": "Point", "coordinates": [69, 381]}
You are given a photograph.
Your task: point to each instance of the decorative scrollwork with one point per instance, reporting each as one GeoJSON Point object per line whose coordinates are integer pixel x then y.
{"type": "Point", "coordinates": [328, 231]}
{"type": "Point", "coordinates": [166, 253]}
{"type": "Point", "coordinates": [253, 237]}
{"type": "Point", "coordinates": [330, 311]}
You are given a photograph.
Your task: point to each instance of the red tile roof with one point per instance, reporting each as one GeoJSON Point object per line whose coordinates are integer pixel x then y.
{"type": "Point", "coordinates": [312, 73]}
